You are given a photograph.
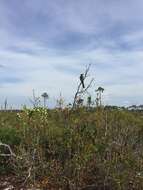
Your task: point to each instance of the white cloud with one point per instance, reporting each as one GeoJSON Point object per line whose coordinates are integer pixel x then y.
{"type": "Point", "coordinates": [32, 48]}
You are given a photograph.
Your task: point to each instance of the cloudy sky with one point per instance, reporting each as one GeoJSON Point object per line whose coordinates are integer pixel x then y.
{"type": "Point", "coordinates": [46, 44]}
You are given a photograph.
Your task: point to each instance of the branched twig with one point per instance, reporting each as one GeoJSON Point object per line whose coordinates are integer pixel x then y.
{"type": "Point", "coordinates": [34, 100]}
{"type": "Point", "coordinates": [30, 168]}
{"type": "Point", "coordinates": [79, 90]}
{"type": "Point", "coordinates": [89, 85]}
{"type": "Point", "coordinates": [28, 176]}
{"type": "Point", "coordinates": [11, 153]}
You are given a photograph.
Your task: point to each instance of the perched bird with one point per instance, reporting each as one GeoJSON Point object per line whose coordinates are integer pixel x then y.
{"type": "Point", "coordinates": [82, 80]}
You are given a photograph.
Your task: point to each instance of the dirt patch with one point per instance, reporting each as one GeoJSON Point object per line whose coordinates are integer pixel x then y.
{"type": "Point", "coordinates": [10, 183]}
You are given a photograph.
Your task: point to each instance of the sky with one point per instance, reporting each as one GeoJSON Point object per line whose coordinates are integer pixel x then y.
{"type": "Point", "coordinates": [46, 44]}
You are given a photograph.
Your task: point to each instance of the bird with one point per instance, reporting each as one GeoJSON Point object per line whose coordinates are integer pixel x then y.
{"type": "Point", "coordinates": [82, 80]}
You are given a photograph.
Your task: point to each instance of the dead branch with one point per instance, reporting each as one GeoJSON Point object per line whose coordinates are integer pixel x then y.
{"type": "Point", "coordinates": [28, 176]}
{"type": "Point", "coordinates": [11, 153]}
{"type": "Point", "coordinates": [80, 90]}
{"type": "Point", "coordinates": [88, 86]}
{"type": "Point", "coordinates": [35, 101]}
{"type": "Point", "coordinates": [30, 168]}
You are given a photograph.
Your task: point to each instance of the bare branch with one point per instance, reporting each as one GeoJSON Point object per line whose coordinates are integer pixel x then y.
{"type": "Point", "coordinates": [28, 176]}
{"type": "Point", "coordinates": [30, 168]}
{"type": "Point", "coordinates": [11, 153]}
{"type": "Point", "coordinates": [80, 88]}
{"type": "Point", "coordinates": [89, 85]}
{"type": "Point", "coordinates": [34, 100]}
{"type": "Point", "coordinates": [87, 70]}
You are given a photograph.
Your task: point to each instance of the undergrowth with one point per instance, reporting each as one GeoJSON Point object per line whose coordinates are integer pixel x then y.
{"type": "Point", "coordinates": [74, 149]}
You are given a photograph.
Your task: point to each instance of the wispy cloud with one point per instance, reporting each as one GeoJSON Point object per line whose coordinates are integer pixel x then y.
{"type": "Point", "coordinates": [45, 45]}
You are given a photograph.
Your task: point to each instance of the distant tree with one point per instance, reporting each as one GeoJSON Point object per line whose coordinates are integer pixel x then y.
{"type": "Point", "coordinates": [80, 102]}
{"type": "Point", "coordinates": [35, 100]}
{"type": "Point", "coordinates": [89, 101]}
{"type": "Point", "coordinates": [5, 104]}
{"type": "Point", "coordinates": [99, 91]}
{"type": "Point", "coordinates": [60, 102]}
{"type": "Point", "coordinates": [45, 96]}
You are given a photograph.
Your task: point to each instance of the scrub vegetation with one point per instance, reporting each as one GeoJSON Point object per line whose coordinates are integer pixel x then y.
{"type": "Point", "coordinates": [85, 147]}
{"type": "Point", "coordinates": [97, 148]}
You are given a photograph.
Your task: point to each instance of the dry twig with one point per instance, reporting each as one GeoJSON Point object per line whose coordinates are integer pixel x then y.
{"type": "Point", "coordinates": [11, 153]}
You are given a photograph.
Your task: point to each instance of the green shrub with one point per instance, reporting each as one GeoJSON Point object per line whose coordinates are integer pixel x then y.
{"type": "Point", "coordinates": [10, 136]}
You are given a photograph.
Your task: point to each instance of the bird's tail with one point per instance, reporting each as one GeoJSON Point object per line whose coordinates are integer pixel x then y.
{"type": "Point", "coordinates": [83, 85]}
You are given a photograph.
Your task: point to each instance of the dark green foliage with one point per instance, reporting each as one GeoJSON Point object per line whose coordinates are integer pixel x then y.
{"type": "Point", "coordinates": [10, 135]}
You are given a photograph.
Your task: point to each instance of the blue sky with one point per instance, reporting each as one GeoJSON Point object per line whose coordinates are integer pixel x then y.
{"type": "Point", "coordinates": [45, 45]}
